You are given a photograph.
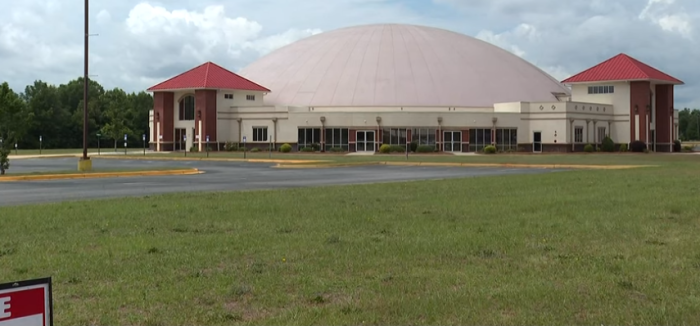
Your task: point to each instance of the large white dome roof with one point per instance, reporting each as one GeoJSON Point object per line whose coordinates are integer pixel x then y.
{"type": "Point", "coordinates": [398, 65]}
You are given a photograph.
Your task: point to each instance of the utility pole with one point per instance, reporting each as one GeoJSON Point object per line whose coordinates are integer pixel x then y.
{"type": "Point", "coordinates": [85, 87]}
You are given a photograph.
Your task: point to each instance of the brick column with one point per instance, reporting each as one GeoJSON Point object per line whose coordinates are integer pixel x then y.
{"type": "Point", "coordinates": [205, 105]}
{"type": "Point", "coordinates": [164, 108]}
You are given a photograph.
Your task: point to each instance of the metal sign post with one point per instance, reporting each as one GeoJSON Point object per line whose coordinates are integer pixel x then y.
{"type": "Point", "coordinates": [144, 144]}
{"type": "Point", "coordinates": [270, 149]}
{"type": "Point", "coordinates": [184, 139]}
{"type": "Point", "coordinates": [125, 144]}
{"type": "Point", "coordinates": [98, 143]}
{"type": "Point", "coordinates": [406, 151]}
{"type": "Point", "coordinates": [41, 139]}
{"type": "Point", "coordinates": [15, 148]}
{"type": "Point", "coordinates": [207, 145]}
{"type": "Point", "coordinates": [244, 149]}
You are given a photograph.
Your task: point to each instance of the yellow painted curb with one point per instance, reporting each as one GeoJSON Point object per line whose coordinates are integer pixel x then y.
{"type": "Point", "coordinates": [215, 159]}
{"type": "Point", "coordinates": [98, 175]}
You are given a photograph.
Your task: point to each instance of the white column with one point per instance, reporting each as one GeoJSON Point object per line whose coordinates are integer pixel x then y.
{"type": "Point", "coordinates": [646, 126]}
{"type": "Point", "coordinates": [200, 135]}
{"type": "Point", "coordinates": [157, 136]}
{"type": "Point", "coordinates": [636, 127]}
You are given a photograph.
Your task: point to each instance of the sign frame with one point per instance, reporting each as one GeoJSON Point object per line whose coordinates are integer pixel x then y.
{"type": "Point", "coordinates": [31, 284]}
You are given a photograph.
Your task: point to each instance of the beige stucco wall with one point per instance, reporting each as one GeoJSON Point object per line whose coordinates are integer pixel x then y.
{"type": "Point", "coordinates": [553, 119]}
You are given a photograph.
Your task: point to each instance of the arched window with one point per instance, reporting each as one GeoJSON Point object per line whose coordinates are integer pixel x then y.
{"type": "Point", "coordinates": [187, 108]}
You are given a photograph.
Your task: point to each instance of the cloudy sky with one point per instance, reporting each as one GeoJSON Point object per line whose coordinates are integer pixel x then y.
{"type": "Point", "coordinates": [143, 42]}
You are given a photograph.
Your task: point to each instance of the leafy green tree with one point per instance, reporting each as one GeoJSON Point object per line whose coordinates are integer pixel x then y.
{"type": "Point", "coordinates": [116, 115]}
{"type": "Point", "coordinates": [14, 119]}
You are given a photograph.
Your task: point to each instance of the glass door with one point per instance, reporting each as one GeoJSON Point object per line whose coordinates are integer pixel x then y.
{"type": "Point", "coordinates": [537, 142]}
{"type": "Point", "coordinates": [365, 140]}
{"type": "Point", "coordinates": [452, 141]}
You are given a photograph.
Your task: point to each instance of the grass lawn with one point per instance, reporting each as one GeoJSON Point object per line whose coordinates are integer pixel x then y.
{"type": "Point", "coordinates": [582, 158]}
{"type": "Point", "coordinates": [579, 247]}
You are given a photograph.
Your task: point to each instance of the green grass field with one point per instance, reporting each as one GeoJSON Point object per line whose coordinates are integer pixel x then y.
{"type": "Point", "coordinates": [576, 247]}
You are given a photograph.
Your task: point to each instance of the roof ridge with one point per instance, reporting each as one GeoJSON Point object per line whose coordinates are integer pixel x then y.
{"type": "Point", "coordinates": [206, 73]}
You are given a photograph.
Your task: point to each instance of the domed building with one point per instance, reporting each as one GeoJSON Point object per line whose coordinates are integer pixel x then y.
{"type": "Point", "coordinates": [354, 89]}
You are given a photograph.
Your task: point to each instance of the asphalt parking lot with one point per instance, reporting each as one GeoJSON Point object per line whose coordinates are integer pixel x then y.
{"type": "Point", "coordinates": [218, 176]}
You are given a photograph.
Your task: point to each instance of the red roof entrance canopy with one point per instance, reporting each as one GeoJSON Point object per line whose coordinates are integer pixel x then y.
{"type": "Point", "coordinates": [621, 68]}
{"type": "Point", "coordinates": [208, 76]}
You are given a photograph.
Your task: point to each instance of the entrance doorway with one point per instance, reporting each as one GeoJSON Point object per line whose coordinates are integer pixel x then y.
{"type": "Point", "coordinates": [452, 141]}
{"type": "Point", "coordinates": [537, 142]}
{"type": "Point", "coordinates": [365, 140]}
{"type": "Point", "coordinates": [180, 141]}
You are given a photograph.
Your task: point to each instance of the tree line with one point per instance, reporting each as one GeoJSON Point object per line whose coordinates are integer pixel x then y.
{"type": "Point", "coordinates": [55, 113]}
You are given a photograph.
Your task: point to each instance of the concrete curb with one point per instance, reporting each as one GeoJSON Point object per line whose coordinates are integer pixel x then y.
{"type": "Point", "coordinates": [214, 159]}
{"type": "Point", "coordinates": [521, 165]}
{"type": "Point", "coordinates": [323, 165]}
{"type": "Point", "coordinates": [445, 164]}
{"type": "Point", "coordinates": [98, 175]}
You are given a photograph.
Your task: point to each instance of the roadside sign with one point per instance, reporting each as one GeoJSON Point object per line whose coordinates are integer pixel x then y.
{"type": "Point", "coordinates": [124, 137]}
{"type": "Point", "coordinates": [143, 137]}
{"type": "Point", "coordinates": [207, 138]}
{"type": "Point", "coordinates": [184, 137]}
{"type": "Point", "coordinates": [26, 303]}
{"type": "Point", "coordinates": [244, 139]}
{"type": "Point", "coordinates": [41, 138]}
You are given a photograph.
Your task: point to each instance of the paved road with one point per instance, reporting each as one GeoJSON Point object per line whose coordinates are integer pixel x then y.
{"type": "Point", "coordinates": [218, 176]}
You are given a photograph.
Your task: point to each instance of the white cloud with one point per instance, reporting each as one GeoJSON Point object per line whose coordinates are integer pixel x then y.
{"type": "Point", "coordinates": [140, 43]}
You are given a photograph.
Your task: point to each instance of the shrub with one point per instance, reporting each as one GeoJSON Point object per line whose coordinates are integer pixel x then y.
{"type": "Point", "coordinates": [687, 148]}
{"type": "Point", "coordinates": [608, 145]}
{"type": "Point", "coordinates": [637, 146]}
{"type": "Point", "coordinates": [230, 147]}
{"type": "Point", "coordinates": [676, 145]}
{"type": "Point", "coordinates": [414, 146]}
{"type": "Point", "coordinates": [194, 148]}
{"type": "Point", "coordinates": [425, 149]}
{"type": "Point", "coordinates": [588, 148]}
{"type": "Point", "coordinates": [397, 149]}
{"type": "Point", "coordinates": [4, 160]}
{"type": "Point", "coordinates": [255, 149]}
{"type": "Point", "coordinates": [623, 147]}
{"type": "Point", "coordinates": [490, 149]}
{"type": "Point", "coordinates": [285, 148]}
{"type": "Point", "coordinates": [385, 148]}
{"type": "Point", "coordinates": [307, 149]}
{"type": "Point", "coordinates": [337, 149]}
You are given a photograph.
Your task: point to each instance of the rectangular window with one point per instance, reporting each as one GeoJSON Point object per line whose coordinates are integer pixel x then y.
{"type": "Point", "coordinates": [479, 138]}
{"type": "Point", "coordinates": [601, 134]}
{"type": "Point", "coordinates": [394, 136]}
{"type": "Point", "coordinates": [228, 96]}
{"type": "Point", "coordinates": [309, 137]}
{"type": "Point", "coordinates": [507, 139]}
{"type": "Point", "coordinates": [601, 89]}
{"type": "Point", "coordinates": [259, 133]}
{"type": "Point", "coordinates": [337, 139]}
{"type": "Point", "coordinates": [250, 97]}
{"type": "Point", "coordinates": [578, 135]}
{"type": "Point", "coordinates": [423, 136]}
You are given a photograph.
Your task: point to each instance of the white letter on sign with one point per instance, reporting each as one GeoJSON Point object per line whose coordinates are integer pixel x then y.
{"type": "Point", "coordinates": [5, 308]}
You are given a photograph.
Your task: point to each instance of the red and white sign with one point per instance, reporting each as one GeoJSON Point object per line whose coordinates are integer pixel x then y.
{"type": "Point", "coordinates": [26, 303]}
